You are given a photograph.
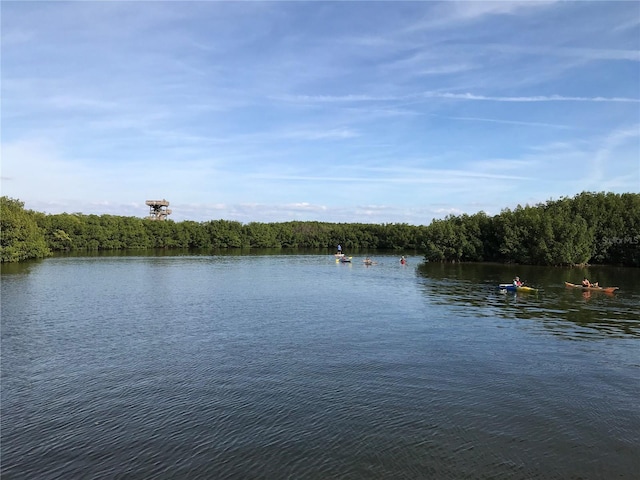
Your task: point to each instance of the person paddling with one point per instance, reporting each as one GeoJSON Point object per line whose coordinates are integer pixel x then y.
{"type": "Point", "coordinates": [517, 282]}
{"type": "Point", "coordinates": [586, 283]}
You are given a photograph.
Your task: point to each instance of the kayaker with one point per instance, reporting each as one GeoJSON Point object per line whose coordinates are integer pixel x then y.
{"type": "Point", "coordinates": [403, 260]}
{"type": "Point", "coordinates": [586, 283]}
{"type": "Point", "coordinates": [517, 282]}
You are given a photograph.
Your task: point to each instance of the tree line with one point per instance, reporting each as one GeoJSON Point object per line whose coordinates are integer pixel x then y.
{"type": "Point", "coordinates": [588, 228]}
{"type": "Point", "coordinates": [595, 228]}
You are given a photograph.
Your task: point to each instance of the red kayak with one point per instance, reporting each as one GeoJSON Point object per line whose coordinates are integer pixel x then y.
{"type": "Point", "coordinates": [596, 289]}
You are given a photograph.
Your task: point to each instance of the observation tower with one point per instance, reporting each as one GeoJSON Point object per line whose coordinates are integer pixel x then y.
{"type": "Point", "coordinates": [158, 209]}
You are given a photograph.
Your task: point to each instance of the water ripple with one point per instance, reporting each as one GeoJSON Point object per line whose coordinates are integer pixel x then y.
{"type": "Point", "coordinates": [297, 368]}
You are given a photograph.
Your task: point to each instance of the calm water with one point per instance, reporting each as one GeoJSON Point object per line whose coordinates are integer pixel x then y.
{"type": "Point", "coordinates": [295, 366]}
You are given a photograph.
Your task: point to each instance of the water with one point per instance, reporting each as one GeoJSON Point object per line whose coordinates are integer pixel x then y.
{"type": "Point", "coordinates": [295, 366]}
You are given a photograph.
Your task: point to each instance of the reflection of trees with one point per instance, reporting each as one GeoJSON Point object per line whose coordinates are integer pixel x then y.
{"type": "Point", "coordinates": [21, 268]}
{"type": "Point", "coordinates": [470, 290]}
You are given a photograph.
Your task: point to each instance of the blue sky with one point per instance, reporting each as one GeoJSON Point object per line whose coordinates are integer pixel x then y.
{"type": "Point", "coordinates": [372, 112]}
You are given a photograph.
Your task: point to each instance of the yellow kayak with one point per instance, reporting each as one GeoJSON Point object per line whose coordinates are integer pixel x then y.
{"type": "Point", "coordinates": [509, 287]}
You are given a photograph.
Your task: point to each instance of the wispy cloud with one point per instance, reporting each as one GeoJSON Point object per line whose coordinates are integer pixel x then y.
{"type": "Point", "coordinates": [537, 98]}
{"type": "Point", "coordinates": [70, 102]}
{"type": "Point", "coordinates": [448, 96]}
{"type": "Point", "coordinates": [464, 10]}
{"type": "Point", "coordinates": [334, 133]}
{"type": "Point", "coordinates": [628, 24]}
{"type": "Point", "coordinates": [606, 148]}
{"type": "Point", "coordinates": [447, 15]}
{"type": "Point", "coordinates": [250, 110]}
{"type": "Point", "coordinates": [355, 98]}
{"type": "Point", "coordinates": [16, 36]}
{"type": "Point", "coordinates": [512, 122]}
{"type": "Point", "coordinates": [395, 175]}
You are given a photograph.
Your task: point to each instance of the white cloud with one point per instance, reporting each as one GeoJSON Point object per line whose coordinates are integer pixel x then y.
{"type": "Point", "coordinates": [333, 133]}
{"type": "Point", "coordinates": [472, 10]}
{"type": "Point", "coordinates": [512, 122]}
{"type": "Point", "coordinates": [452, 96]}
{"type": "Point", "coordinates": [537, 98]}
{"type": "Point", "coordinates": [451, 14]}
{"type": "Point", "coordinates": [70, 102]}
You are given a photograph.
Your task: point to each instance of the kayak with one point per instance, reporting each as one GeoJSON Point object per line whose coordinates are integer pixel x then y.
{"type": "Point", "coordinates": [509, 287]}
{"type": "Point", "coordinates": [344, 259]}
{"type": "Point", "coordinates": [592, 289]}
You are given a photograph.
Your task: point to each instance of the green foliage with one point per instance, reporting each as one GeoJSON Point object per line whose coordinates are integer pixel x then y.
{"type": "Point", "coordinates": [591, 227]}
{"type": "Point", "coordinates": [596, 228]}
{"type": "Point", "coordinates": [456, 239]}
{"type": "Point", "coordinates": [224, 233]}
{"type": "Point", "coordinates": [20, 236]}
{"type": "Point", "coordinates": [261, 235]}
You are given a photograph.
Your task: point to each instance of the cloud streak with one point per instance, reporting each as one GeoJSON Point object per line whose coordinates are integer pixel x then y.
{"type": "Point", "coordinates": [449, 96]}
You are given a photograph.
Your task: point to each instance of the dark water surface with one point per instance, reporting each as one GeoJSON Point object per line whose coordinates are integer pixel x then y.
{"type": "Point", "coordinates": [294, 366]}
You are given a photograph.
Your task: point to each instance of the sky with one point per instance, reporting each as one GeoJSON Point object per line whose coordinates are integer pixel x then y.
{"type": "Point", "coordinates": [358, 112]}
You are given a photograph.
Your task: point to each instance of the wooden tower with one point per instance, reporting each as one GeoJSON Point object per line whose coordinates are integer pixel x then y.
{"type": "Point", "coordinates": [158, 209]}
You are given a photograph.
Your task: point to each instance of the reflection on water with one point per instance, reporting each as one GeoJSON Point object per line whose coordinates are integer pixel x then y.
{"type": "Point", "coordinates": [461, 286]}
{"type": "Point", "coordinates": [19, 268]}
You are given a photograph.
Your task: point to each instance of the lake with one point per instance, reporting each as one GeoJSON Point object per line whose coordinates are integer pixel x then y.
{"type": "Point", "coordinates": [270, 366]}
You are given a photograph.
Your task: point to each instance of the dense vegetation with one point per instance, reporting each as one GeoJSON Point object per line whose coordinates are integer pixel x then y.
{"type": "Point", "coordinates": [588, 228]}
{"type": "Point", "coordinates": [21, 237]}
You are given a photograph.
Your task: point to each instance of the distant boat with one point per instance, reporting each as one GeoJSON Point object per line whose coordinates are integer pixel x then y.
{"type": "Point", "coordinates": [592, 289]}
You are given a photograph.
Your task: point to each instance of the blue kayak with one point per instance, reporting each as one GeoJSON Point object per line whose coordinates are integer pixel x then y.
{"type": "Point", "coordinates": [510, 287]}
